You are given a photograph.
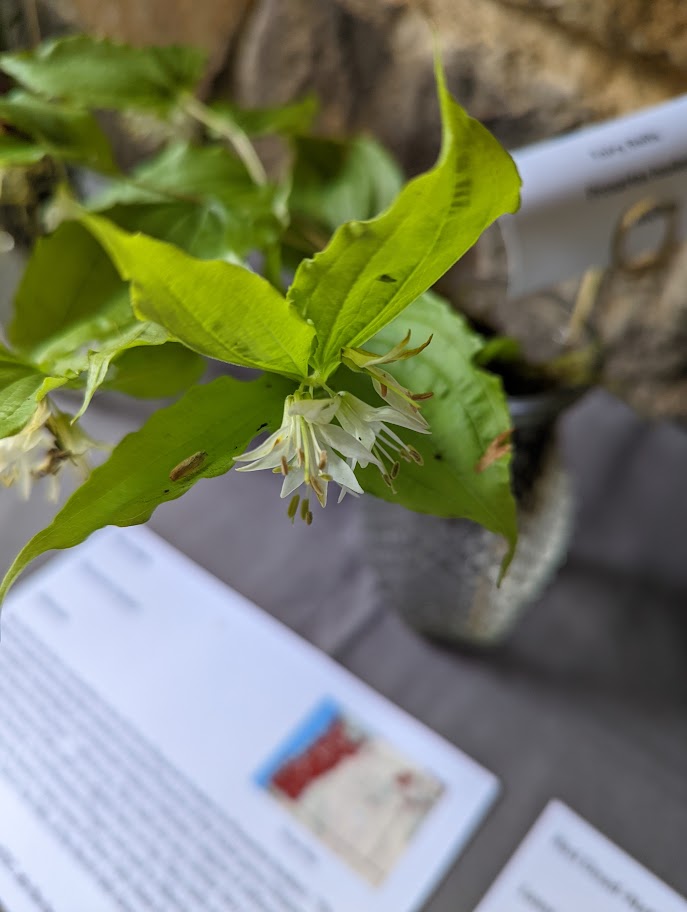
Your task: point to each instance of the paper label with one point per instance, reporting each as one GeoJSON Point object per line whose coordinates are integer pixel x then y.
{"type": "Point", "coordinates": [565, 865]}
{"type": "Point", "coordinates": [577, 187]}
{"type": "Point", "coordinates": [165, 746]}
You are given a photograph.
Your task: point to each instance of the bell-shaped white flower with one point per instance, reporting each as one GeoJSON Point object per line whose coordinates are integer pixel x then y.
{"type": "Point", "coordinates": [369, 425]}
{"type": "Point", "coordinates": [309, 450]}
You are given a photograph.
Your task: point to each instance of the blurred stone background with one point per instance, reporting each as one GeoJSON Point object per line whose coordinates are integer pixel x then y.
{"type": "Point", "coordinates": [528, 69]}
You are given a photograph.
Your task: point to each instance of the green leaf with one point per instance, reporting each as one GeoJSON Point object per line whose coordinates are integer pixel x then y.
{"type": "Point", "coordinates": [286, 119]}
{"type": "Point", "coordinates": [21, 389]}
{"type": "Point", "coordinates": [499, 349]}
{"type": "Point", "coordinates": [218, 309]}
{"type": "Point", "coordinates": [218, 419]}
{"type": "Point", "coordinates": [467, 413]}
{"type": "Point", "coordinates": [81, 319]}
{"type": "Point", "coordinates": [70, 293]}
{"type": "Point", "coordinates": [17, 152]}
{"type": "Point", "coordinates": [203, 230]}
{"type": "Point", "coordinates": [336, 182]}
{"type": "Point", "coordinates": [373, 270]}
{"type": "Point", "coordinates": [155, 372]}
{"type": "Point", "coordinates": [66, 133]}
{"type": "Point", "coordinates": [206, 195]}
{"type": "Point", "coordinates": [137, 333]}
{"type": "Point", "coordinates": [102, 74]}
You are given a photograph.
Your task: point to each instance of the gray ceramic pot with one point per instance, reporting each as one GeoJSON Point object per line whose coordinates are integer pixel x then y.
{"type": "Point", "coordinates": [441, 574]}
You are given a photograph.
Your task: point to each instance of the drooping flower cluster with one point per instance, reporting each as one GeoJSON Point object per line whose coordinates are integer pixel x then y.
{"type": "Point", "coordinates": [46, 443]}
{"type": "Point", "coordinates": [310, 449]}
{"type": "Point", "coordinates": [23, 454]}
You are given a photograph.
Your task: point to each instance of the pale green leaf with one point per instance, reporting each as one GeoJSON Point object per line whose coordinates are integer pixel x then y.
{"type": "Point", "coordinates": [218, 309]}
{"type": "Point", "coordinates": [136, 334]}
{"type": "Point", "coordinates": [21, 389]}
{"type": "Point", "coordinates": [372, 270]}
{"type": "Point", "coordinates": [102, 74]}
{"type": "Point", "coordinates": [64, 132]}
{"type": "Point", "coordinates": [218, 419]}
{"type": "Point", "coordinates": [467, 413]}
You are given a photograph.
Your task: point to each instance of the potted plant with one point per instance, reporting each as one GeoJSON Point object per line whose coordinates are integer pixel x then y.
{"type": "Point", "coordinates": [370, 383]}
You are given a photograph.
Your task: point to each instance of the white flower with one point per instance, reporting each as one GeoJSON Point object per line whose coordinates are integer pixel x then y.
{"type": "Point", "coordinates": [41, 449]}
{"type": "Point", "coordinates": [23, 454]}
{"type": "Point", "coordinates": [395, 395]}
{"type": "Point", "coordinates": [71, 446]}
{"type": "Point", "coordinates": [369, 426]}
{"type": "Point", "coordinates": [309, 450]}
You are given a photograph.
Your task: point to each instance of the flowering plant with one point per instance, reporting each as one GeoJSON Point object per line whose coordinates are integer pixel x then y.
{"type": "Point", "coordinates": [133, 289]}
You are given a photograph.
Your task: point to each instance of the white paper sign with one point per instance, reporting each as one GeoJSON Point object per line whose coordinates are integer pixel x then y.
{"type": "Point", "coordinates": [577, 187]}
{"type": "Point", "coordinates": [166, 746]}
{"type": "Point", "coordinates": [565, 865]}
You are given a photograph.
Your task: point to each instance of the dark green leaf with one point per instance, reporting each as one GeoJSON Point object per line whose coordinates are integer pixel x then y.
{"type": "Point", "coordinates": [61, 131]}
{"type": "Point", "coordinates": [201, 199]}
{"type": "Point", "coordinates": [155, 372]}
{"type": "Point", "coordinates": [501, 349]}
{"type": "Point", "coordinates": [203, 230]}
{"type": "Point", "coordinates": [16, 152]}
{"type": "Point", "coordinates": [101, 74]}
{"type": "Point", "coordinates": [218, 420]}
{"type": "Point", "coordinates": [69, 282]}
{"type": "Point", "coordinates": [373, 270]}
{"type": "Point", "coordinates": [466, 415]}
{"type": "Point", "coordinates": [336, 182]}
{"type": "Point", "coordinates": [218, 309]}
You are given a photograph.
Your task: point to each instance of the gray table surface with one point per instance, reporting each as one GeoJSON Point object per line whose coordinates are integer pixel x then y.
{"type": "Point", "coordinates": [588, 703]}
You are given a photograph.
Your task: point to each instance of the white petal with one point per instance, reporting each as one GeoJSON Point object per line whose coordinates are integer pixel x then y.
{"type": "Point", "coordinates": [346, 444]}
{"type": "Point", "coordinates": [294, 479]}
{"type": "Point", "coordinates": [275, 443]}
{"type": "Point", "coordinates": [342, 474]}
{"type": "Point", "coordinates": [414, 420]}
{"type": "Point", "coordinates": [316, 411]}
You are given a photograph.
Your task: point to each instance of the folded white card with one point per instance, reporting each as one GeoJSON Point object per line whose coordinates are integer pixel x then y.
{"type": "Point", "coordinates": [165, 746]}
{"type": "Point", "coordinates": [565, 865]}
{"type": "Point", "coordinates": [575, 189]}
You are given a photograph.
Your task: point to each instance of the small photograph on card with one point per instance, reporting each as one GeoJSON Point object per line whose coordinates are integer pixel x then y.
{"type": "Point", "coordinates": [360, 795]}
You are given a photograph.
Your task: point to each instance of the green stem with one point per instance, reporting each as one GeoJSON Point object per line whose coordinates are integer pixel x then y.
{"type": "Point", "coordinates": [232, 132]}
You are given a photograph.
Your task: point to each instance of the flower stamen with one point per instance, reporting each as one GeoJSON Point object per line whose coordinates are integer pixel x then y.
{"type": "Point", "coordinates": [293, 507]}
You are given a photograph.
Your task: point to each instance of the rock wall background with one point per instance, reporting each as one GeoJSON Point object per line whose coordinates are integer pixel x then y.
{"type": "Point", "coordinates": [527, 68]}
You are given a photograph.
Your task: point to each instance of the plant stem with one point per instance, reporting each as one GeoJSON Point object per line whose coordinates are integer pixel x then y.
{"type": "Point", "coordinates": [32, 25]}
{"type": "Point", "coordinates": [232, 132]}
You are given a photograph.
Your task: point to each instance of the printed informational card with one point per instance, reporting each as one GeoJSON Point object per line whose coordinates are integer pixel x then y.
{"type": "Point", "coordinates": [576, 188]}
{"type": "Point", "coordinates": [565, 865]}
{"type": "Point", "coordinates": [166, 746]}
